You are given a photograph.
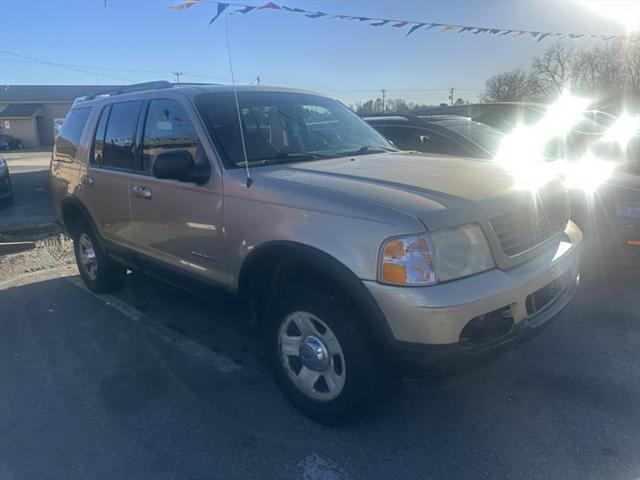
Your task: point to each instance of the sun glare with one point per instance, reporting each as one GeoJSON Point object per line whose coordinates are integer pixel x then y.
{"type": "Point", "coordinates": [623, 130]}
{"type": "Point", "coordinates": [624, 12]}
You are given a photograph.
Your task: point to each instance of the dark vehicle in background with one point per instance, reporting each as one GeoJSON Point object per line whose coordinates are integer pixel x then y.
{"type": "Point", "coordinates": [6, 191]}
{"type": "Point", "coordinates": [610, 216]}
{"type": "Point", "coordinates": [443, 134]}
{"type": "Point", "coordinates": [503, 116]}
{"type": "Point", "coordinates": [11, 142]}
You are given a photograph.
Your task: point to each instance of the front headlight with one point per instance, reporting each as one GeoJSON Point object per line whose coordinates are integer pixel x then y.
{"type": "Point", "coordinates": [3, 165]}
{"type": "Point", "coordinates": [426, 259]}
{"type": "Point", "coordinates": [461, 251]}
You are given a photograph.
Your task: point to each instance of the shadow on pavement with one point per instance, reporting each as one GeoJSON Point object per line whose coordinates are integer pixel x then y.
{"type": "Point", "coordinates": [83, 381]}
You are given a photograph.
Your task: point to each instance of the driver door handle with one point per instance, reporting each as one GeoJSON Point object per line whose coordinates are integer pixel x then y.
{"type": "Point", "coordinates": [142, 192]}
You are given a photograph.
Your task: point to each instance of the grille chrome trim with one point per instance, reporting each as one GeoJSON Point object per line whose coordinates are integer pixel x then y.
{"type": "Point", "coordinates": [532, 224]}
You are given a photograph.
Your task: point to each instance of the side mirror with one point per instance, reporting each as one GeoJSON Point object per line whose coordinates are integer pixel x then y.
{"type": "Point", "coordinates": [173, 165]}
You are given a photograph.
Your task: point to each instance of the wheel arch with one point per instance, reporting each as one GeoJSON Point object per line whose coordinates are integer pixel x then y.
{"type": "Point", "coordinates": [282, 261]}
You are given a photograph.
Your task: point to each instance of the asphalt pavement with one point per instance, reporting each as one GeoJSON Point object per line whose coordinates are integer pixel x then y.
{"type": "Point", "coordinates": [32, 205]}
{"type": "Point", "coordinates": [155, 382]}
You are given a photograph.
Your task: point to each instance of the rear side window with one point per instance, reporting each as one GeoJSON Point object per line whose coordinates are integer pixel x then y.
{"type": "Point", "coordinates": [167, 127]}
{"type": "Point", "coordinates": [120, 136]}
{"type": "Point", "coordinates": [98, 141]}
{"type": "Point", "coordinates": [71, 131]}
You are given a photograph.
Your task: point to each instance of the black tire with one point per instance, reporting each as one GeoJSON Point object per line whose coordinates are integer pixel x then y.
{"type": "Point", "coordinates": [109, 275]}
{"type": "Point", "coordinates": [363, 383]}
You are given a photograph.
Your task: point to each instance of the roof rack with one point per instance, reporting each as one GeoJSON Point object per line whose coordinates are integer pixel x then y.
{"type": "Point", "coordinates": [135, 87]}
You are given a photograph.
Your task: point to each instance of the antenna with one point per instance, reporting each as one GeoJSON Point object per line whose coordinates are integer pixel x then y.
{"type": "Point", "coordinates": [235, 94]}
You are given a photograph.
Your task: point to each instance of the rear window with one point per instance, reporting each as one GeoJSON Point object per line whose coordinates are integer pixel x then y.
{"type": "Point", "coordinates": [71, 132]}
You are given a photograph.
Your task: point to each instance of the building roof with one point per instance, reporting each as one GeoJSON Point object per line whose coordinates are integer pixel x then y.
{"type": "Point", "coordinates": [21, 110]}
{"type": "Point", "coordinates": [47, 93]}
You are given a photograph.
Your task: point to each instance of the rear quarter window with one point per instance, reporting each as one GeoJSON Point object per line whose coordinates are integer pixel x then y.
{"type": "Point", "coordinates": [69, 139]}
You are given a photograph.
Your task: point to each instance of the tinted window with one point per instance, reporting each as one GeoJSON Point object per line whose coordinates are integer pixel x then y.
{"type": "Point", "coordinates": [422, 140]}
{"type": "Point", "coordinates": [167, 128]}
{"type": "Point", "coordinates": [285, 127]}
{"type": "Point", "coordinates": [71, 131]}
{"type": "Point", "coordinates": [98, 141]}
{"type": "Point", "coordinates": [120, 135]}
{"type": "Point", "coordinates": [483, 136]}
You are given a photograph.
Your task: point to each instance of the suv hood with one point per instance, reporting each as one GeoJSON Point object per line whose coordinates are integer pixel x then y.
{"type": "Point", "coordinates": [440, 191]}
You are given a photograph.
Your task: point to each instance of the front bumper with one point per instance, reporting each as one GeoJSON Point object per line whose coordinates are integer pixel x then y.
{"type": "Point", "coordinates": [428, 323]}
{"type": "Point", "coordinates": [5, 185]}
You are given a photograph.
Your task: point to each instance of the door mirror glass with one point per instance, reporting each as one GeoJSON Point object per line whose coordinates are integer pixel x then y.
{"type": "Point", "coordinates": [173, 165]}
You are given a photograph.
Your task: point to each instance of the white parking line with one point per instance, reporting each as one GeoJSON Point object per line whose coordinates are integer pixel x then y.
{"type": "Point", "coordinates": [221, 362]}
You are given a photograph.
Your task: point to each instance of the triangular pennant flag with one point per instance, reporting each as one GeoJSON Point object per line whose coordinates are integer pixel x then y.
{"type": "Point", "coordinates": [544, 35]}
{"type": "Point", "coordinates": [221, 8]}
{"type": "Point", "coordinates": [448, 28]}
{"type": "Point", "coordinates": [380, 23]}
{"type": "Point", "coordinates": [506, 32]}
{"type": "Point", "coordinates": [576, 35]}
{"type": "Point", "coordinates": [183, 6]}
{"type": "Point", "coordinates": [519, 32]}
{"type": "Point", "coordinates": [534, 34]}
{"type": "Point", "coordinates": [400, 24]}
{"type": "Point", "coordinates": [362, 19]}
{"type": "Point", "coordinates": [341, 17]}
{"type": "Point", "coordinates": [316, 15]}
{"type": "Point", "coordinates": [480, 30]}
{"type": "Point", "coordinates": [493, 31]}
{"type": "Point", "coordinates": [415, 27]}
{"type": "Point", "coordinates": [246, 9]}
{"type": "Point", "coordinates": [294, 10]}
{"type": "Point", "coordinates": [433, 25]}
{"type": "Point", "coordinates": [270, 5]}
{"type": "Point", "coordinates": [465, 29]}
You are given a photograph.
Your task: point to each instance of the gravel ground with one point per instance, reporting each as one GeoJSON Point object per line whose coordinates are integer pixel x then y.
{"type": "Point", "coordinates": [51, 252]}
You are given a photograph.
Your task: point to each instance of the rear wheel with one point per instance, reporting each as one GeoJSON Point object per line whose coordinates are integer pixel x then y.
{"type": "Point", "coordinates": [99, 273]}
{"type": "Point", "coordinates": [321, 360]}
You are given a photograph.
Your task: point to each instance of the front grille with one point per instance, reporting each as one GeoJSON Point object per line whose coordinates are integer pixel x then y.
{"type": "Point", "coordinates": [4, 183]}
{"type": "Point", "coordinates": [534, 222]}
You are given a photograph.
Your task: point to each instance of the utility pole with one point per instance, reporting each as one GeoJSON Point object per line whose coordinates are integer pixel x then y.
{"type": "Point", "coordinates": [258, 80]}
{"type": "Point", "coordinates": [177, 74]}
{"type": "Point", "coordinates": [451, 90]}
{"type": "Point", "coordinates": [384, 96]}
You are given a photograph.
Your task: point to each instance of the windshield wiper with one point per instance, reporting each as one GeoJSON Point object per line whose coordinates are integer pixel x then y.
{"type": "Point", "coordinates": [284, 157]}
{"type": "Point", "coordinates": [366, 150]}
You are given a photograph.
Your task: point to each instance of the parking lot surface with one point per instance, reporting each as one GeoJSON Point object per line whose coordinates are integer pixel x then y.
{"type": "Point", "coordinates": [155, 382]}
{"type": "Point", "coordinates": [32, 205]}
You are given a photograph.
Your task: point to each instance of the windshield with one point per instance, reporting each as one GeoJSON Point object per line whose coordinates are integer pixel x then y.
{"type": "Point", "coordinates": [481, 135]}
{"type": "Point", "coordinates": [285, 127]}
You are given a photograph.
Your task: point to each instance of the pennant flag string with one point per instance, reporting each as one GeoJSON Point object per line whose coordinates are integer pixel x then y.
{"type": "Point", "coordinates": [394, 23]}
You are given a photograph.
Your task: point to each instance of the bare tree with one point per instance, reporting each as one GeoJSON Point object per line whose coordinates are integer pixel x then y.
{"type": "Point", "coordinates": [514, 86]}
{"type": "Point", "coordinates": [554, 69]}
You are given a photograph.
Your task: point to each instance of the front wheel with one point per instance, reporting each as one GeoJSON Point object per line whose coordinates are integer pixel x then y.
{"type": "Point", "coordinates": [321, 360]}
{"type": "Point", "coordinates": [99, 273]}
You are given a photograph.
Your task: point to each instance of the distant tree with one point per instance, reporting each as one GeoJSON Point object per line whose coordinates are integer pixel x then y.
{"type": "Point", "coordinates": [514, 86]}
{"type": "Point", "coordinates": [459, 101]}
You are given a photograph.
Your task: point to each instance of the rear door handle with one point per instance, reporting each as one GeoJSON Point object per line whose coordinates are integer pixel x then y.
{"type": "Point", "coordinates": [142, 192]}
{"type": "Point", "coordinates": [86, 180]}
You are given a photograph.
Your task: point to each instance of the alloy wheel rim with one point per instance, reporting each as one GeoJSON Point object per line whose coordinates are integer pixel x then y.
{"type": "Point", "coordinates": [88, 260]}
{"type": "Point", "coordinates": [312, 356]}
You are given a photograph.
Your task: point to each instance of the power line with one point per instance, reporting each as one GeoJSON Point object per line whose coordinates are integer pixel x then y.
{"type": "Point", "coordinates": [61, 65]}
{"type": "Point", "coordinates": [88, 68]}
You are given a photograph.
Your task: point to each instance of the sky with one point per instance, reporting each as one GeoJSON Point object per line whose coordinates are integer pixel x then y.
{"type": "Point", "coordinates": [132, 41]}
